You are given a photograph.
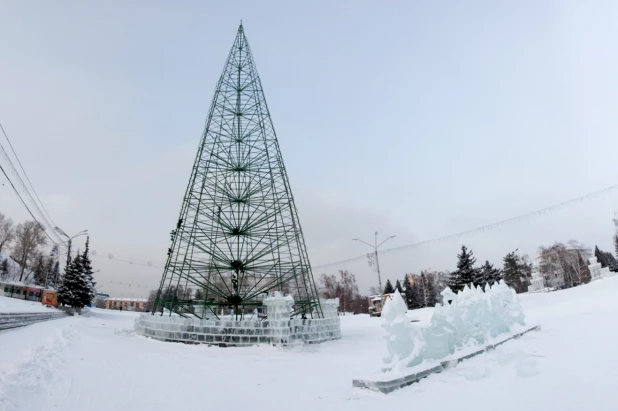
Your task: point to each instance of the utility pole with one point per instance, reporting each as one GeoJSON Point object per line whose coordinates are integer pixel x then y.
{"type": "Point", "coordinates": [375, 247]}
{"type": "Point", "coordinates": [60, 231]}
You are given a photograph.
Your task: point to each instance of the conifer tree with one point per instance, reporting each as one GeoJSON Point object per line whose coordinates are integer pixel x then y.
{"type": "Point", "coordinates": [398, 286]}
{"type": "Point", "coordinates": [606, 259]}
{"type": "Point", "coordinates": [465, 273]}
{"type": "Point", "coordinates": [453, 281]}
{"type": "Point", "coordinates": [612, 264]}
{"type": "Point", "coordinates": [418, 292]}
{"type": "Point", "coordinates": [4, 269]}
{"type": "Point", "coordinates": [74, 290]}
{"type": "Point", "coordinates": [489, 274]}
{"type": "Point", "coordinates": [389, 289]}
{"type": "Point", "coordinates": [465, 265]}
{"type": "Point", "coordinates": [600, 255]}
{"type": "Point", "coordinates": [54, 277]}
{"type": "Point", "coordinates": [49, 270]}
{"type": "Point", "coordinates": [513, 273]}
{"type": "Point", "coordinates": [408, 291]}
{"type": "Point", "coordinates": [88, 273]}
{"type": "Point", "coordinates": [39, 270]}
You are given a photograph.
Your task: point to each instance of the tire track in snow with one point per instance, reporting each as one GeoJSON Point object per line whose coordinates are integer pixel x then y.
{"type": "Point", "coordinates": [40, 369]}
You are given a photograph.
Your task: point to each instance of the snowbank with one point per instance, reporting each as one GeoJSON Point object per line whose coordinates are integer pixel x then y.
{"type": "Point", "coordinates": [99, 364]}
{"type": "Point", "coordinates": [15, 305]}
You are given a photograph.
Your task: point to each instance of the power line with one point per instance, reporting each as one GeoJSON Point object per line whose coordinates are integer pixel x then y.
{"type": "Point", "coordinates": [483, 228]}
{"type": "Point", "coordinates": [473, 231]}
{"type": "Point", "coordinates": [42, 218]}
{"type": "Point", "coordinates": [26, 205]}
{"type": "Point", "coordinates": [25, 174]}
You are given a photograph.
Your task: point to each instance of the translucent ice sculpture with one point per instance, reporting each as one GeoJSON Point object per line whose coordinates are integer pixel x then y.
{"type": "Point", "coordinates": [403, 343]}
{"type": "Point", "coordinates": [471, 317]}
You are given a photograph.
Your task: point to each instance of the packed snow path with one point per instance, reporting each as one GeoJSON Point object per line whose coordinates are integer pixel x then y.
{"type": "Point", "coordinates": [96, 363]}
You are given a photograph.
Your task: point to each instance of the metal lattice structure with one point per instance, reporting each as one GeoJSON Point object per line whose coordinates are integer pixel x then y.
{"type": "Point", "coordinates": [238, 237]}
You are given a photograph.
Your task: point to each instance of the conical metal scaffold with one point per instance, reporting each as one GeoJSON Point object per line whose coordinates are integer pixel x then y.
{"type": "Point", "coordinates": [238, 238]}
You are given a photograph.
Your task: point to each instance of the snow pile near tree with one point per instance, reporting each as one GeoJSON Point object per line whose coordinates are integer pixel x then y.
{"type": "Point", "coordinates": [472, 318]}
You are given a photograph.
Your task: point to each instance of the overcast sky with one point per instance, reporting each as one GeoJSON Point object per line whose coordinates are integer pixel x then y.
{"type": "Point", "coordinates": [419, 119]}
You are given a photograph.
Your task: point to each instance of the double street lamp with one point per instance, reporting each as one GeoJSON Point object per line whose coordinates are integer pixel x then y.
{"type": "Point", "coordinates": [375, 247]}
{"type": "Point", "coordinates": [60, 231]}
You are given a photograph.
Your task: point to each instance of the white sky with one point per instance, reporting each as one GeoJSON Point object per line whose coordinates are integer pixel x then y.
{"type": "Point", "coordinates": [419, 119]}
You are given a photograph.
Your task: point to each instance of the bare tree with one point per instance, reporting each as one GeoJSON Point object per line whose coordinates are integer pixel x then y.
{"type": "Point", "coordinates": [344, 288]}
{"type": "Point", "coordinates": [374, 290]}
{"type": "Point", "coordinates": [29, 236]}
{"type": "Point", "coordinates": [7, 231]}
{"type": "Point", "coordinates": [564, 265]}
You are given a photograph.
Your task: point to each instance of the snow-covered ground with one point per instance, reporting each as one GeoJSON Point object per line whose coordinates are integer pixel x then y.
{"type": "Point", "coordinates": [16, 305]}
{"type": "Point", "coordinates": [96, 362]}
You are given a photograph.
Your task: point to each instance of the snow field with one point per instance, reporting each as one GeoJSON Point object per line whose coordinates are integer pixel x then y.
{"type": "Point", "coordinates": [96, 362]}
{"type": "Point", "coordinates": [15, 305]}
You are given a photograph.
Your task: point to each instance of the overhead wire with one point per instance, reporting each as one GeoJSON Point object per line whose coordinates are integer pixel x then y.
{"type": "Point", "coordinates": [480, 229]}
{"type": "Point", "coordinates": [413, 246]}
{"type": "Point", "coordinates": [42, 218]}
{"type": "Point", "coordinates": [26, 205]}
{"type": "Point", "coordinates": [26, 174]}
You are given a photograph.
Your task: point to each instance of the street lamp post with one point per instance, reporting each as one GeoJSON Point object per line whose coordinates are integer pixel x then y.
{"type": "Point", "coordinates": [60, 231]}
{"type": "Point", "coordinates": [375, 247]}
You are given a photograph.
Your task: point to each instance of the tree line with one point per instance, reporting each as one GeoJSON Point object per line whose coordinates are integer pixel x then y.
{"type": "Point", "coordinates": [23, 260]}
{"type": "Point", "coordinates": [559, 265]}
{"type": "Point", "coordinates": [21, 254]}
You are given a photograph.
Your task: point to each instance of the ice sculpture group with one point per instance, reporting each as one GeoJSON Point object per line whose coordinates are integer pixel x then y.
{"type": "Point", "coordinates": [472, 317]}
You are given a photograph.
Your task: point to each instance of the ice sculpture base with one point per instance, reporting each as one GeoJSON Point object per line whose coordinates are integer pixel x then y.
{"type": "Point", "coordinates": [387, 383]}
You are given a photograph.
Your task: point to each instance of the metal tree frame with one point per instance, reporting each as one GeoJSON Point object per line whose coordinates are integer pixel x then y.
{"type": "Point", "coordinates": [238, 236]}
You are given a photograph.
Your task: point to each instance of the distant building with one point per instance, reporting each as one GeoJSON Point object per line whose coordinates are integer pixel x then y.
{"type": "Point", "coordinates": [99, 300]}
{"type": "Point", "coordinates": [128, 304]}
{"type": "Point", "coordinates": [21, 291]}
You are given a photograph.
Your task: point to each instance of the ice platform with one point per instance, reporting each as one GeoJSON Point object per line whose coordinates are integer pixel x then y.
{"type": "Point", "coordinates": [389, 383]}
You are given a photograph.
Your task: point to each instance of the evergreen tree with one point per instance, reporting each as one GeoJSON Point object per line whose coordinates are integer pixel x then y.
{"type": "Point", "coordinates": [75, 290]}
{"type": "Point", "coordinates": [398, 286]}
{"type": "Point", "coordinates": [408, 291]}
{"type": "Point", "coordinates": [49, 270]}
{"type": "Point", "coordinates": [513, 273]}
{"type": "Point", "coordinates": [54, 278]}
{"type": "Point", "coordinates": [479, 278]}
{"type": "Point", "coordinates": [465, 273]}
{"type": "Point", "coordinates": [612, 264]}
{"type": "Point", "coordinates": [453, 281]}
{"type": "Point", "coordinates": [600, 255]}
{"type": "Point", "coordinates": [465, 265]}
{"type": "Point", "coordinates": [4, 269]}
{"type": "Point", "coordinates": [416, 294]}
{"type": "Point", "coordinates": [389, 289]}
{"type": "Point", "coordinates": [616, 244]}
{"type": "Point", "coordinates": [39, 270]}
{"type": "Point", "coordinates": [486, 274]}
{"type": "Point", "coordinates": [606, 259]}
{"type": "Point", "coordinates": [88, 273]}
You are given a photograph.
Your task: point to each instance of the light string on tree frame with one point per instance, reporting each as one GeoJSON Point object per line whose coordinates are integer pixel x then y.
{"type": "Point", "coordinates": [410, 247]}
